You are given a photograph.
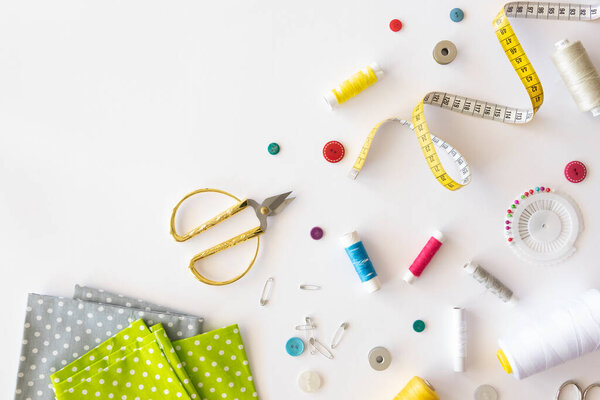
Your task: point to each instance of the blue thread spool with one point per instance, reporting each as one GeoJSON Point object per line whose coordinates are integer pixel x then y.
{"type": "Point", "coordinates": [360, 260]}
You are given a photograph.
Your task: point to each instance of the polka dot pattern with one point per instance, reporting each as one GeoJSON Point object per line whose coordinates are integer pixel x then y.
{"type": "Point", "coordinates": [135, 362]}
{"type": "Point", "coordinates": [59, 330]}
{"type": "Point", "coordinates": [217, 363]}
{"type": "Point", "coordinates": [141, 371]}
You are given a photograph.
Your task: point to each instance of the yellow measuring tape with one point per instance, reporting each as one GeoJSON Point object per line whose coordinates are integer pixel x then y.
{"type": "Point", "coordinates": [477, 108]}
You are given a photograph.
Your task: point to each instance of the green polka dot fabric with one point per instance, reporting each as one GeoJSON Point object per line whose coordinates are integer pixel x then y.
{"type": "Point", "coordinates": [216, 362]}
{"type": "Point", "coordinates": [134, 364]}
{"type": "Point", "coordinates": [141, 363]}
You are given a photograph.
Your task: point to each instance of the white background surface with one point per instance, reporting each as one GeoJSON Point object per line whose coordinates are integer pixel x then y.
{"type": "Point", "coordinates": [111, 111]}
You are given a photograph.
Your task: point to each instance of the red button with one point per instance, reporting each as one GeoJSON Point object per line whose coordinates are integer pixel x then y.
{"type": "Point", "coordinates": [395, 25]}
{"type": "Point", "coordinates": [333, 151]}
{"type": "Point", "coordinates": [575, 171]}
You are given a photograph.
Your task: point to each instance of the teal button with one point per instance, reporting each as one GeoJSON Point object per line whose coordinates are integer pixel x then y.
{"type": "Point", "coordinates": [294, 346]}
{"type": "Point", "coordinates": [457, 15]}
{"type": "Point", "coordinates": [419, 326]}
{"type": "Point", "coordinates": [273, 148]}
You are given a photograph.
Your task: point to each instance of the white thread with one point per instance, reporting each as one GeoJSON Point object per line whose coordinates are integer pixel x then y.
{"type": "Point", "coordinates": [459, 329]}
{"type": "Point", "coordinates": [579, 74]}
{"type": "Point", "coordinates": [565, 333]}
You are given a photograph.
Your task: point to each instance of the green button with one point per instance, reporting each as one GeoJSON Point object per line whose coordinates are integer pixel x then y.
{"type": "Point", "coordinates": [273, 148]}
{"type": "Point", "coordinates": [419, 326]}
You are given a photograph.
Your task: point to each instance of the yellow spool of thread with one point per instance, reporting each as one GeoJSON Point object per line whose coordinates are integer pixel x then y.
{"type": "Point", "coordinates": [354, 85]}
{"type": "Point", "coordinates": [417, 389]}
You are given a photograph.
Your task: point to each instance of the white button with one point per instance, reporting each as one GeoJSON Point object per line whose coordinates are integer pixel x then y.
{"type": "Point", "coordinates": [309, 381]}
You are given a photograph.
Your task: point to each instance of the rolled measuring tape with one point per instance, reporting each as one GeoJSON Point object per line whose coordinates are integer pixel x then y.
{"type": "Point", "coordinates": [479, 108]}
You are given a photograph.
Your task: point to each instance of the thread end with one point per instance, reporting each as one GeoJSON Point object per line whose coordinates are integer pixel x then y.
{"type": "Point", "coordinates": [504, 361]}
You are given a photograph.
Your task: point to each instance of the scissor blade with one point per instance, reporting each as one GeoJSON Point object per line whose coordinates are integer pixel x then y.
{"type": "Point", "coordinates": [276, 203]}
{"type": "Point", "coordinates": [282, 206]}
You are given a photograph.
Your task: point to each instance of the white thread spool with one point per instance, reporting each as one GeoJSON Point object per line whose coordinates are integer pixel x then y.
{"type": "Point", "coordinates": [563, 334]}
{"type": "Point", "coordinates": [459, 330]}
{"type": "Point", "coordinates": [579, 74]}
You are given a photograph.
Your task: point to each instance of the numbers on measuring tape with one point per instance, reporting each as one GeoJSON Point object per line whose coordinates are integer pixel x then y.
{"type": "Point", "coordinates": [523, 68]}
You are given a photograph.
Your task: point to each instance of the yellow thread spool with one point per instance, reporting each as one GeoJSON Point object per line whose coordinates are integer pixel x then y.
{"type": "Point", "coordinates": [417, 389]}
{"type": "Point", "coordinates": [354, 85]}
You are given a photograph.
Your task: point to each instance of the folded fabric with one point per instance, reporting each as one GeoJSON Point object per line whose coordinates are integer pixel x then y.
{"type": "Point", "coordinates": [106, 297]}
{"type": "Point", "coordinates": [133, 365]}
{"type": "Point", "coordinates": [59, 330]}
{"type": "Point", "coordinates": [216, 362]}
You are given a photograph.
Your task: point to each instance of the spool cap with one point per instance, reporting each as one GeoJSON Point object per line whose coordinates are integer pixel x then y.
{"type": "Point", "coordinates": [372, 285]}
{"type": "Point", "coordinates": [458, 364]}
{"type": "Point", "coordinates": [377, 69]}
{"type": "Point", "coordinates": [348, 239]}
{"type": "Point", "coordinates": [470, 267]}
{"type": "Point", "coordinates": [439, 236]}
{"type": "Point", "coordinates": [409, 277]}
{"type": "Point", "coordinates": [504, 361]}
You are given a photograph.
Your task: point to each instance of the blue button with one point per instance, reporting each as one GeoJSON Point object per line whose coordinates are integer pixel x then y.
{"type": "Point", "coordinates": [457, 15]}
{"type": "Point", "coordinates": [294, 347]}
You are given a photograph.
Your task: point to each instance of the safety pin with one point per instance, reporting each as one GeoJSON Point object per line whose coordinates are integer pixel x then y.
{"type": "Point", "coordinates": [337, 336]}
{"type": "Point", "coordinates": [266, 293]}
{"type": "Point", "coordinates": [306, 327]}
{"type": "Point", "coordinates": [310, 287]}
{"type": "Point", "coordinates": [311, 334]}
{"type": "Point", "coordinates": [321, 348]}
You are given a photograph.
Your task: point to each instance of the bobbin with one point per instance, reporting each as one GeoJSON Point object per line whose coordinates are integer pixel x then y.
{"type": "Point", "coordinates": [379, 358]}
{"type": "Point", "coordinates": [486, 392]}
{"type": "Point", "coordinates": [444, 52]}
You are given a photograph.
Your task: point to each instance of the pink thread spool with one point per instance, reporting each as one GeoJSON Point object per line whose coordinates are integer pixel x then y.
{"type": "Point", "coordinates": [418, 266]}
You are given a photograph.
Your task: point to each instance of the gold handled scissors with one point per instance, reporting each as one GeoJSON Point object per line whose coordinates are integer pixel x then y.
{"type": "Point", "coordinates": [581, 393]}
{"type": "Point", "coordinates": [270, 206]}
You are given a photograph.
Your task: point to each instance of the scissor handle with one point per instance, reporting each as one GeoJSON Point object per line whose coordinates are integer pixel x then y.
{"type": "Point", "coordinates": [567, 383]}
{"type": "Point", "coordinates": [587, 389]}
{"type": "Point", "coordinates": [234, 209]}
{"type": "Point", "coordinates": [252, 233]}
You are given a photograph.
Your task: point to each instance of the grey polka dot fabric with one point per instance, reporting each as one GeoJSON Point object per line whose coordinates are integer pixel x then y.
{"type": "Point", "coordinates": [106, 297]}
{"type": "Point", "coordinates": [59, 330]}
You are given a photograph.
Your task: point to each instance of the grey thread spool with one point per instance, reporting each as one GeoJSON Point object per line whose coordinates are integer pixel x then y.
{"type": "Point", "coordinates": [490, 282]}
{"type": "Point", "coordinates": [579, 74]}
